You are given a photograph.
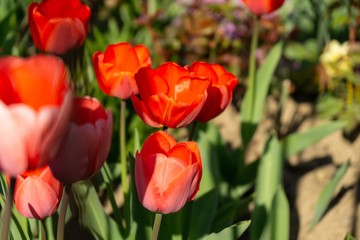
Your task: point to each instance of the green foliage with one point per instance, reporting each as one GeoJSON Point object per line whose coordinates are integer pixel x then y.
{"type": "Point", "coordinates": [267, 183]}
{"type": "Point", "coordinates": [252, 109]}
{"type": "Point", "coordinates": [90, 212]}
{"type": "Point", "coordinates": [327, 193]}
{"type": "Point", "coordinates": [280, 216]}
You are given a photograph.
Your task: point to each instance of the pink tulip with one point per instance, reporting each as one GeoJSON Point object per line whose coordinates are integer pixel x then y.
{"type": "Point", "coordinates": [37, 193]}
{"type": "Point", "coordinates": [167, 174]}
{"type": "Point", "coordinates": [87, 144]}
{"type": "Point", "coordinates": [35, 106]}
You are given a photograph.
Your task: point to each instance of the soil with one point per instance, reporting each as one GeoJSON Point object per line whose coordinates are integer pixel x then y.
{"type": "Point", "coordinates": [308, 172]}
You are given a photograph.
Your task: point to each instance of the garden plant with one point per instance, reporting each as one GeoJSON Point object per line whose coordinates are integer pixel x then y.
{"type": "Point", "coordinates": [111, 113]}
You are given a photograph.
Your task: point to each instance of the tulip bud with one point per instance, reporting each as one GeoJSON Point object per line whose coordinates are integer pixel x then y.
{"type": "Point", "coordinates": [88, 143]}
{"type": "Point", "coordinates": [37, 193]}
{"type": "Point", "coordinates": [167, 174]}
{"type": "Point", "coordinates": [58, 26]}
{"type": "Point", "coordinates": [259, 7]}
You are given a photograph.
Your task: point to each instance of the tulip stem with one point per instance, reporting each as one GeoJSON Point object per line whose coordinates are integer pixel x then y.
{"type": "Point", "coordinates": [62, 214]}
{"type": "Point", "coordinates": [156, 226]}
{"type": "Point", "coordinates": [7, 212]}
{"type": "Point", "coordinates": [43, 229]}
{"type": "Point", "coordinates": [124, 166]}
{"type": "Point", "coordinates": [192, 131]}
{"type": "Point", "coordinates": [252, 66]}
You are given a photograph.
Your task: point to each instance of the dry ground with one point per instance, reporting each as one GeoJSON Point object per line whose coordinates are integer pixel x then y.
{"type": "Point", "coordinates": [307, 173]}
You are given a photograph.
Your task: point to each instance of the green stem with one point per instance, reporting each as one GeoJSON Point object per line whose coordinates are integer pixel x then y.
{"type": "Point", "coordinates": [43, 229]}
{"type": "Point", "coordinates": [7, 212]}
{"type": "Point", "coordinates": [62, 214]}
{"type": "Point", "coordinates": [252, 65]}
{"type": "Point", "coordinates": [110, 193]}
{"type": "Point", "coordinates": [192, 131]}
{"type": "Point", "coordinates": [124, 166]}
{"type": "Point", "coordinates": [156, 226]}
{"type": "Point", "coordinates": [124, 169]}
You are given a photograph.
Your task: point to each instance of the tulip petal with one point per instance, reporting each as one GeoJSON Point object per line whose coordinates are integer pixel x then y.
{"type": "Point", "coordinates": [159, 142]}
{"type": "Point", "coordinates": [54, 137]}
{"type": "Point", "coordinates": [143, 55]}
{"type": "Point", "coordinates": [125, 86]}
{"type": "Point", "coordinates": [202, 69]}
{"type": "Point", "coordinates": [72, 161]}
{"type": "Point", "coordinates": [101, 70]}
{"type": "Point", "coordinates": [186, 90]}
{"type": "Point", "coordinates": [106, 134]}
{"type": "Point", "coordinates": [181, 153]}
{"type": "Point", "coordinates": [13, 157]}
{"type": "Point", "coordinates": [150, 83]}
{"type": "Point", "coordinates": [172, 73]}
{"type": "Point", "coordinates": [36, 22]}
{"type": "Point", "coordinates": [61, 35]}
{"type": "Point", "coordinates": [38, 88]}
{"type": "Point", "coordinates": [142, 111]}
{"type": "Point", "coordinates": [178, 191]}
{"type": "Point", "coordinates": [177, 114]}
{"type": "Point", "coordinates": [123, 57]}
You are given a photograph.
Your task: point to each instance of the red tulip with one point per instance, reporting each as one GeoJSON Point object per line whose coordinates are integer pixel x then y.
{"type": "Point", "coordinates": [219, 92]}
{"type": "Point", "coordinates": [116, 67]}
{"type": "Point", "coordinates": [167, 174]}
{"type": "Point", "coordinates": [37, 193]}
{"type": "Point", "coordinates": [87, 144]}
{"type": "Point", "coordinates": [259, 7]}
{"type": "Point", "coordinates": [58, 26]}
{"type": "Point", "coordinates": [35, 105]}
{"type": "Point", "coordinates": [169, 96]}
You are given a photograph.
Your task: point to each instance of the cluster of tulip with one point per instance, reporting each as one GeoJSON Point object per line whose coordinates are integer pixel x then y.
{"type": "Point", "coordinates": [52, 139]}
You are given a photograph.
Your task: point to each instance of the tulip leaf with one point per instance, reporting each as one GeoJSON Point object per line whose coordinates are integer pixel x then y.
{"type": "Point", "coordinates": [211, 174]}
{"type": "Point", "coordinates": [349, 237]}
{"type": "Point", "coordinates": [251, 117]}
{"type": "Point", "coordinates": [227, 214]}
{"type": "Point", "coordinates": [280, 216]}
{"type": "Point", "coordinates": [296, 142]}
{"type": "Point", "coordinates": [268, 179]}
{"type": "Point", "coordinates": [91, 212]}
{"type": "Point", "coordinates": [202, 215]}
{"type": "Point", "coordinates": [233, 232]}
{"type": "Point", "coordinates": [327, 193]}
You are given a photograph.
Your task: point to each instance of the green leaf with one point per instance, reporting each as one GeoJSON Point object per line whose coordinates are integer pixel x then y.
{"type": "Point", "coordinates": [268, 180]}
{"type": "Point", "coordinates": [251, 117]}
{"type": "Point", "coordinates": [211, 173]}
{"type": "Point", "coordinates": [296, 142]}
{"type": "Point", "coordinates": [91, 212]}
{"type": "Point", "coordinates": [232, 232]}
{"type": "Point", "coordinates": [327, 193]}
{"type": "Point", "coordinates": [226, 214]}
{"type": "Point", "coordinates": [203, 213]}
{"type": "Point", "coordinates": [280, 216]}
{"type": "Point", "coordinates": [349, 237]}
{"type": "Point", "coordinates": [329, 106]}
